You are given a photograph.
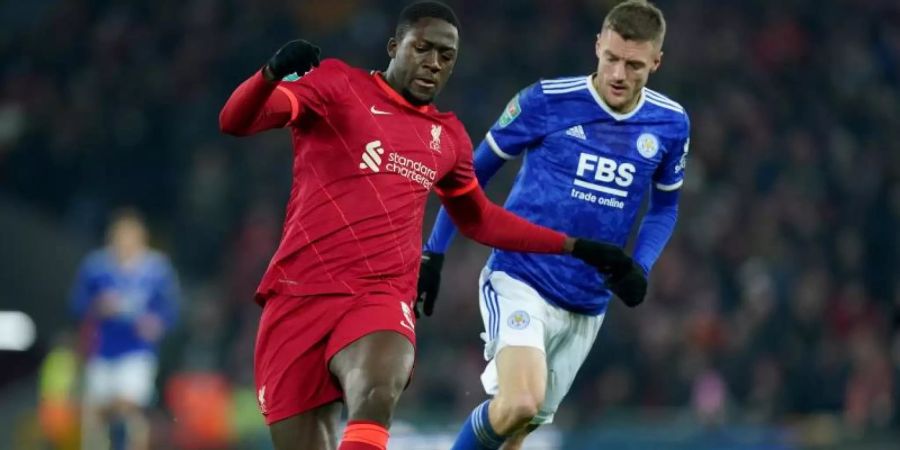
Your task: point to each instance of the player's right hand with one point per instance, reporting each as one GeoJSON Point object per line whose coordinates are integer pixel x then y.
{"type": "Point", "coordinates": [108, 304]}
{"type": "Point", "coordinates": [296, 56]}
{"type": "Point", "coordinates": [609, 259]}
{"type": "Point", "coordinates": [429, 282]}
{"type": "Point", "coordinates": [149, 327]}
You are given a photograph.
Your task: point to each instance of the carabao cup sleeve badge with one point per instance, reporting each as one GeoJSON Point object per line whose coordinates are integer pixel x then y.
{"type": "Point", "coordinates": [510, 113]}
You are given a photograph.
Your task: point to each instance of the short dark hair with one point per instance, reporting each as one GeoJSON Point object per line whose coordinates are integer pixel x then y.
{"type": "Point", "coordinates": [126, 213]}
{"type": "Point", "coordinates": [420, 10]}
{"type": "Point", "coordinates": [637, 20]}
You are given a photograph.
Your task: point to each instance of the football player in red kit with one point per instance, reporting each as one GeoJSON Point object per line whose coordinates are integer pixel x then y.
{"type": "Point", "coordinates": [338, 296]}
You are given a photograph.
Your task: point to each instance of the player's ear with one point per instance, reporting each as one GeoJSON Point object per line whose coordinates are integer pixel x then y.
{"type": "Point", "coordinates": [597, 45]}
{"type": "Point", "coordinates": [656, 62]}
{"type": "Point", "coordinates": [392, 47]}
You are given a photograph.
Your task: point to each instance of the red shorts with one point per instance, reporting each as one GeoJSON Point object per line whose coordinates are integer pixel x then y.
{"type": "Point", "coordinates": [298, 336]}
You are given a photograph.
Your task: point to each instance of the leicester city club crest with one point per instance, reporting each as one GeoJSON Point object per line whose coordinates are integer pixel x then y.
{"type": "Point", "coordinates": [518, 320]}
{"type": "Point", "coordinates": [647, 145]}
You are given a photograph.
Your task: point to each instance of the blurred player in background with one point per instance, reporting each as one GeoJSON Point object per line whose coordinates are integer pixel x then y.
{"type": "Point", "coordinates": [593, 145]}
{"type": "Point", "coordinates": [126, 294]}
{"type": "Point", "coordinates": [338, 296]}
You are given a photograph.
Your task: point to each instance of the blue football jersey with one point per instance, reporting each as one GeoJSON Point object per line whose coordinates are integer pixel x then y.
{"type": "Point", "coordinates": [585, 172]}
{"type": "Point", "coordinates": [151, 286]}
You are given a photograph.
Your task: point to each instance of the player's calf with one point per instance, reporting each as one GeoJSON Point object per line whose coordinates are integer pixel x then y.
{"type": "Point", "coordinates": [481, 430]}
{"type": "Point", "coordinates": [516, 441]}
{"type": "Point", "coordinates": [316, 428]}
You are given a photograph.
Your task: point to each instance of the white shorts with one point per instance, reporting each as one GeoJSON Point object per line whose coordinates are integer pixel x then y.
{"type": "Point", "coordinates": [129, 377]}
{"type": "Point", "coordinates": [515, 314]}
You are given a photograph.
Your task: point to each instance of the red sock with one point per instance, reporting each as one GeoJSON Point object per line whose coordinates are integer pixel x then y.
{"type": "Point", "coordinates": [364, 435]}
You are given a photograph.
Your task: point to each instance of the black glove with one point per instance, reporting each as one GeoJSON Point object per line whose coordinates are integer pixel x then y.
{"type": "Point", "coordinates": [607, 258]}
{"type": "Point", "coordinates": [296, 56]}
{"type": "Point", "coordinates": [429, 282]}
{"type": "Point", "coordinates": [630, 287]}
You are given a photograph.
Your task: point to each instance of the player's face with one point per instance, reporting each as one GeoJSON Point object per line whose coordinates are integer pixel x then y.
{"type": "Point", "coordinates": [422, 61]}
{"type": "Point", "coordinates": [623, 68]}
{"type": "Point", "coordinates": [127, 236]}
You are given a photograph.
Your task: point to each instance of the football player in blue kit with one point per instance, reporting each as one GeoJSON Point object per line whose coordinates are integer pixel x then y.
{"type": "Point", "coordinates": [126, 296]}
{"type": "Point", "coordinates": [593, 146]}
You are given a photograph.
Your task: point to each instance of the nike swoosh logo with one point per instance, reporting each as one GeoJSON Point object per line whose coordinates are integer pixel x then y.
{"type": "Point", "coordinates": [376, 111]}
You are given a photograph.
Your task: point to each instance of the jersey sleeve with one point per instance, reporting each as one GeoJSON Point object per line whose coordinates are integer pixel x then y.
{"type": "Point", "coordinates": [491, 225]}
{"type": "Point", "coordinates": [461, 179]}
{"type": "Point", "coordinates": [486, 165]}
{"type": "Point", "coordinates": [669, 176]}
{"type": "Point", "coordinates": [656, 228]}
{"type": "Point", "coordinates": [83, 292]}
{"type": "Point", "coordinates": [311, 93]}
{"type": "Point", "coordinates": [522, 123]}
{"type": "Point", "coordinates": [165, 300]}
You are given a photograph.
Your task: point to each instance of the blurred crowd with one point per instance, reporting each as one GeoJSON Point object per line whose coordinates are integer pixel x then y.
{"type": "Point", "coordinates": [777, 298]}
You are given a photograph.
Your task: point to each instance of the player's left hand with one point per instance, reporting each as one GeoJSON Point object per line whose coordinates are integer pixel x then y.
{"type": "Point", "coordinates": [429, 282]}
{"type": "Point", "coordinates": [149, 327]}
{"type": "Point", "coordinates": [296, 56]}
{"type": "Point", "coordinates": [630, 287]}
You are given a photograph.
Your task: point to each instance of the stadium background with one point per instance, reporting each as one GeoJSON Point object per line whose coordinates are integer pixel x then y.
{"type": "Point", "coordinates": [773, 316]}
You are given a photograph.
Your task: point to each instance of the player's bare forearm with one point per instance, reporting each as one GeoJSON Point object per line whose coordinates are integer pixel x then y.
{"type": "Point", "coordinates": [486, 223]}
{"type": "Point", "coordinates": [252, 108]}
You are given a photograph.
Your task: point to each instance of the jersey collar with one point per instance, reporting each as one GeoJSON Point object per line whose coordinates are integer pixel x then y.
{"type": "Point", "coordinates": [395, 96]}
{"type": "Point", "coordinates": [606, 108]}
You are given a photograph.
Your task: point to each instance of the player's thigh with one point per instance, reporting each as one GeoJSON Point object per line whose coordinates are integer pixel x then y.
{"type": "Point", "coordinates": [565, 357]}
{"type": "Point", "coordinates": [99, 384]}
{"type": "Point", "coordinates": [378, 360]}
{"type": "Point", "coordinates": [134, 376]}
{"type": "Point", "coordinates": [514, 316]}
{"type": "Point", "coordinates": [372, 350]}
{"type": "Point", "coordinates": [375, 336]}
{"type": "Point", "coordinates": [315, 429]}
{"type": "Point", "coordinates": [521, 371]}
{"type": "Point", "coordinates": [373, 372]}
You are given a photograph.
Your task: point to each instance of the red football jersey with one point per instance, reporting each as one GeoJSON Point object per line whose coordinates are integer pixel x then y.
{"type": "Point", "coordinates": [364, 162]}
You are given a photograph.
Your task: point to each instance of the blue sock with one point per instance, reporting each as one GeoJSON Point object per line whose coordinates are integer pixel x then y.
{"type": "Point", "coordinates": [118, 438]}
{"type": "Point", "coordinates": [477, 433]}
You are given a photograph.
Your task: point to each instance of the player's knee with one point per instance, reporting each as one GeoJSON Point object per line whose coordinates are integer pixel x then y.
{"type": "Point", "coordinates": [374, 399]}
{"type": "Point", "coordinates": [385, 394]}
{"type": "Point", "coordinates": [520, 409]}
{"type": "Point", "coordinates": [374, 403]}
{"type": "Point", "coordinates": [124, 407]}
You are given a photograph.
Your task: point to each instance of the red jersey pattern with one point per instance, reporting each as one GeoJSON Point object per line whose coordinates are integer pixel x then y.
{"type": "Point", "coordinates": [364, 162]}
